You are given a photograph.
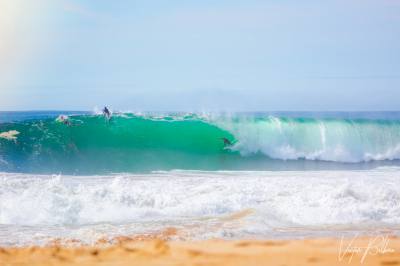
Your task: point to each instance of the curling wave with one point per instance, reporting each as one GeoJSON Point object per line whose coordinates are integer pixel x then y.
{"type": "Point", "coordinates": [89, 144]}
{"type": "Point", "coordinates": [337, 140]}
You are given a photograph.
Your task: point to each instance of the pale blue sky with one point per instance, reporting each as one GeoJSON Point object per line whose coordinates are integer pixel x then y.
{"type": "Point", "coordinates": [201, 55]}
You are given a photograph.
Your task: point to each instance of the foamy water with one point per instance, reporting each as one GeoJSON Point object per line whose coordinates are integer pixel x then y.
{"type": "Point", "coordinates": [36, 209]}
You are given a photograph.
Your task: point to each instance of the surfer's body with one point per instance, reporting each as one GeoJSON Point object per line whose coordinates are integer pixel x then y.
{"type": "Point", "coordinates": [227, 142]}
{"type": "Point", "coordinates": [64, 119]}
{"type": "Point", "coordinates": [106, 113]}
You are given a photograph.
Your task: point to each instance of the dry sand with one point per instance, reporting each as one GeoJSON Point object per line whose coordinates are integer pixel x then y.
{"type": "Point", "coordinates": [377, 251]}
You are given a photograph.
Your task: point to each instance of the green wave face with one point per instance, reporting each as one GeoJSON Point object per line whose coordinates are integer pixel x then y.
{"type": "Point", "coordinates": [131, 143]}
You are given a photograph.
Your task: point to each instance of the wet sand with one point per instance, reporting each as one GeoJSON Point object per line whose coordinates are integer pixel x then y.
{"type": "Point", "coordinates": [132, 251]}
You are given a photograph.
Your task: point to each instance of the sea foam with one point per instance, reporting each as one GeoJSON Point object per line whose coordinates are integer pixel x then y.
{"type": "Point", "coordinates": [311, 200]}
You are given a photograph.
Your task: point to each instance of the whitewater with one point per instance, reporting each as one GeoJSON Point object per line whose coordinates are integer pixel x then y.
{"type": "Point", "coordinates": [36, 209]}
{"type": "Point", "coordinates": [285, 175]}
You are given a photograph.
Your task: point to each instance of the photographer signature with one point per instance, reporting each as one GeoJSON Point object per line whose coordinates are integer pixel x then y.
{"type": "Point", "coordinates": [376, 245]}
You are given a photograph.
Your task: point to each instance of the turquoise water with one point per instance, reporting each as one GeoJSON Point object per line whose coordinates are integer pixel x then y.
{"type": "Point", "coordinates": [152, 142]}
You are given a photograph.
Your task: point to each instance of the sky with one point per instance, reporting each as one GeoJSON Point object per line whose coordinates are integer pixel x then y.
{"type": "Point", "coordinates": [225, 55]}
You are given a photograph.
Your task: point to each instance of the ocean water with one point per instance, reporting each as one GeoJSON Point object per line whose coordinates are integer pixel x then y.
{"type": "Point", "coordinates": [284, 175]}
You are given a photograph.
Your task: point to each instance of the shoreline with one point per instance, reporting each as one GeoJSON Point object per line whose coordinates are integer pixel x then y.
{"type": "Point", "coordinates": [378, 250]}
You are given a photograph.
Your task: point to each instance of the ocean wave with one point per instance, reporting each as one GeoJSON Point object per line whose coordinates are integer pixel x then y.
{"type": "Point", "coordinates": [139, 142]}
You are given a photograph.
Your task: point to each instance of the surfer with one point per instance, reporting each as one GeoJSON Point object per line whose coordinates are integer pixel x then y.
{"type": "Point", "coordinates": [64, 119]}
{"type": "Point", "coordinates": [106, 113]}
{"type": "Point", "coordinates": [227, 142]}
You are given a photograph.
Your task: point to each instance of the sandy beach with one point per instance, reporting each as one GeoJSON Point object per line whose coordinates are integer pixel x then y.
{"type": "Point", "coordinates": [379, 250]}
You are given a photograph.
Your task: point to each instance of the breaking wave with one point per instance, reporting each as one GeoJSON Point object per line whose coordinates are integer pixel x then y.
{"type": "Point", "coordinates": [90, 144]}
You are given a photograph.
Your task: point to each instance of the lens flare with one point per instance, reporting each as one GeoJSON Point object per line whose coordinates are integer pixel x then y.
{"type": "Point", "coordinates": [19, 21]}
{"type": "Point", "coordinates": [10, 13]}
